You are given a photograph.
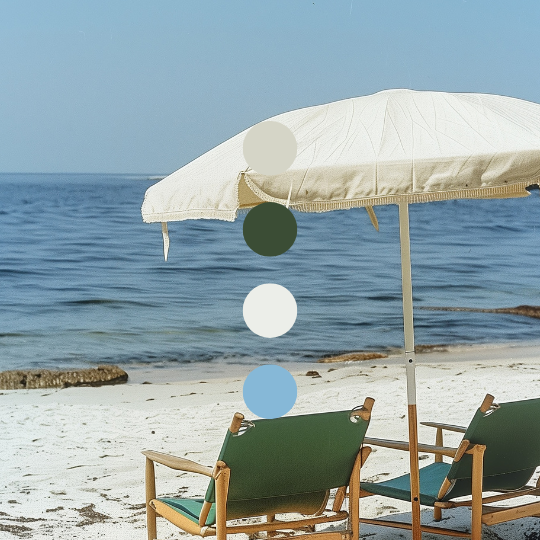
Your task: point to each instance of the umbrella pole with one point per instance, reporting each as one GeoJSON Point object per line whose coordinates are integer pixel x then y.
{"type": "Point", "coordinates": [410, 362]}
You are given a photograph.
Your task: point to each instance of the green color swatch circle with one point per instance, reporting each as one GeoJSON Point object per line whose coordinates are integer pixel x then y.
{"type": "Point", "coordinates": [270, 229]}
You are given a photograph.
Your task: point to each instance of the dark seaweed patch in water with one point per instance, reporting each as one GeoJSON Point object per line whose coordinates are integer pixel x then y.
{"type": "Point", "coordinates": [385, 297]}
{"type": "Point", "coordinates": [105, 301]}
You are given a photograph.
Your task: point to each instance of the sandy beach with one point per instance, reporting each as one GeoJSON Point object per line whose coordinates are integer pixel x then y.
{"type": "Point", "coordinates": [72, 465]}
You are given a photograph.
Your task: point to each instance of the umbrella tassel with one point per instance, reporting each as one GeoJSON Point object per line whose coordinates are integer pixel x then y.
{"type": "Point", "coordinates": [165, 233]}
{"type": "Point", "coordinates": [373, 217]}
{"type": "Point", "coordinates": [289, 197]}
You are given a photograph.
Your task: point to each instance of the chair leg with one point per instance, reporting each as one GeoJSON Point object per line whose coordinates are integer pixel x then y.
{"type": "Point", "coordinates": [354, 500]}
{"type": "Point", "coordinates": [269, 519]}
{"type": "Point", "coordinates": [354, 492]}
{"type": "Point", "coordinates": [437, 513]}
{"type": "Point", "coordinates": [222, 477]}
{"type": "Point", "coordinates": [477, 474]}
{"type": "Point", "coordinates": [150, 495]}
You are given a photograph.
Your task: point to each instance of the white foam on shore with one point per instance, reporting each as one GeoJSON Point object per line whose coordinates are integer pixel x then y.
{"type": "Point", "coordinates": [66, 450]}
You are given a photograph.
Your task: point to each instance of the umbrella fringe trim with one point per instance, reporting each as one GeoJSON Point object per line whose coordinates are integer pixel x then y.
{"type": "Point", "coordinates": [507, 191]}
{"type": "Point", "coordinates": [223, 215]}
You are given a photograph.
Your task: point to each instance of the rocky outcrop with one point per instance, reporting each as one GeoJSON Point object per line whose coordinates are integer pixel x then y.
{"type": "Point", "coordinates": [45, 378]}
{"type": "Point", "coordinates": [526, 311]}
{"type": "Point", "coordinates": [352, 357]}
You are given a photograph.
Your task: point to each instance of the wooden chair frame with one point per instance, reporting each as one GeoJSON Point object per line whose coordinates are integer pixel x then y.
{"type": "Point", "coordinates": [480, 513]}
{"type": "Point", "coordinates": [221, 475]}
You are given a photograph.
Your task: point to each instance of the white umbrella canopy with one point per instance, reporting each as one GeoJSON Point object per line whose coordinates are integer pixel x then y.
{"type": "Point", "coordinates": [390, 147]}
{"type": "Point", "coordinates": [393, 147]}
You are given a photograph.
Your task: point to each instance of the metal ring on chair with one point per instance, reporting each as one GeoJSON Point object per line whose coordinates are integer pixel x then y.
{"type": "Point", "coordinates": [492, 408]}
{"type": "Point", "coordinates": [244, 426]}
{"type": "Point", "coordinates": [353, 416]}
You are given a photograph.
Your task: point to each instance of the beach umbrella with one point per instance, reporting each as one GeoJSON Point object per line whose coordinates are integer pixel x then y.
{"type": "Point", "coordinates": [393, 147]}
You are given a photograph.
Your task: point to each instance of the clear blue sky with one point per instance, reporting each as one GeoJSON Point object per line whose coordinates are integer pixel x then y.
{"type": "Point", "coordinates": [132, 86]}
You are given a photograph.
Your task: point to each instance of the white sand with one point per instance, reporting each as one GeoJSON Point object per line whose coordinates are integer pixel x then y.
{"type": "Point", "coordinates": [72, 466]}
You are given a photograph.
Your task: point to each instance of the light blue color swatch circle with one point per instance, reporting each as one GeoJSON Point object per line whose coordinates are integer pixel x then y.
{"type": "Point", "coordinates": [270, 391]}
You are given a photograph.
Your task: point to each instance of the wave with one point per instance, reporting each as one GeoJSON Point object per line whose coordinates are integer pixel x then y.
{"type": "Point", "coordinates": [106, 301]}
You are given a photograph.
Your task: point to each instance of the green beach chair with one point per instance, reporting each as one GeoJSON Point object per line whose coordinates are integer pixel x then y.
{"type": "Point", "coordinates": [499, 453]}
{"type": "Point", "coordinates": [267, 467]}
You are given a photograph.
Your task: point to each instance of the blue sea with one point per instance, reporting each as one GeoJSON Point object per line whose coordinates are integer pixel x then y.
{"type": "Point", "coordinates": [83, 280]}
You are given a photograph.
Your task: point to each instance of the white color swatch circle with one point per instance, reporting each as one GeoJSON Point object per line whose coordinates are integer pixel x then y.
{"type": "Point", "coordinates": [270, 310]}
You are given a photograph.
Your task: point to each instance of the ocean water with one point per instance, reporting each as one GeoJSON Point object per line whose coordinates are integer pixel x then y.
{"type": "Point", "coordinates": [83, 280]}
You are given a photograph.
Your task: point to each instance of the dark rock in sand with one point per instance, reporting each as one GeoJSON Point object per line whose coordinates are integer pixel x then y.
{"type": "Point", "coordinates": [45, 378]}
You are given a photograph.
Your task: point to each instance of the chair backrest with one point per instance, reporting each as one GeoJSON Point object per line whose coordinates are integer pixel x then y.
{"type": "Point", "coordinates": [289, 464]}
{"type": "Point", "coordinates": [511, 433]}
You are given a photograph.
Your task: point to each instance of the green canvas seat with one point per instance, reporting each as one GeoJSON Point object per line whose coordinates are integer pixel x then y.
{"type": "Point", "coordinates": [191, 508]}
{"type": "Point", "coordinates": [499, 452]}
{"type": "Point", "coordinates": [431, 479]}
{"type": "Point", "coordinates": [268, 467]}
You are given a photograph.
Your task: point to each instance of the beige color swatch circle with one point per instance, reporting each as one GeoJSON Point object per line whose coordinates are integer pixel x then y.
{"type": "Point", "coordinates": [270, 148]}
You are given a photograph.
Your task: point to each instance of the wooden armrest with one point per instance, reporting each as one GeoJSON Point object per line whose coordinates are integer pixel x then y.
{"type": "Point", "coordinates": [177, 463]}
{"type": "Point", "coordinates": [447, 427]}
{"type": "Point", "coordinates": [400, 445]}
